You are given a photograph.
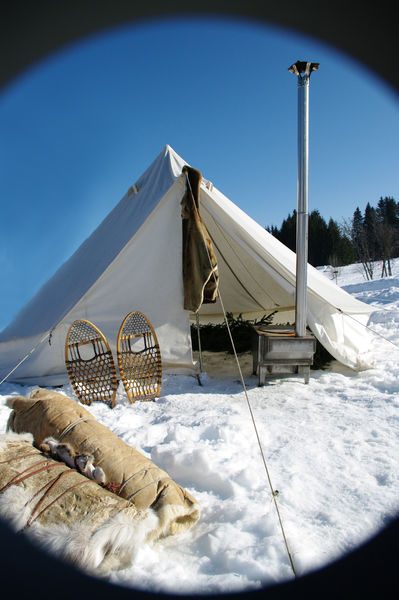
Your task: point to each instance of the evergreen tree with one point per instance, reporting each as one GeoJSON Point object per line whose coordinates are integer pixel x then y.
{"type": "Point", "coordinates": [340, 247]}
{"type": "Point", "coordinates": [370, 228]}
{"type": "Point", "coordinates": [357, 226]}
{"type": "Point", "coordinates": [347, 254]}
{"type": "Point", "coordinates": [387, 232]}
{"type": "Point", "coordinates": [287, 234]}
{"type": "Point", "coordinates": [273, 230]}
{"type": "Point", "coordinates": [334, 240]}
{"type": "Point", "coordinates": [388, 211]}
{"type": "Point", "coordinates": [319, 247]}
{"type": "Point", "coordinates": [360, 242]}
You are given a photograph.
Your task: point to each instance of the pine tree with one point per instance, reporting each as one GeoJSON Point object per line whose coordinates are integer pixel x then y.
{"type": "Point", "coordinates": [370, 227]}
{"type": "Point", "coordinates": [347, 254]}
{"type": "Point", "coordinates": [318, 248]}
{"type": "Point", "coordinates": [387, 232]}
{"type": "Point", "coordinates": [388, 211]}
{"type": "Point", "coordinates": [334, 242]}
{"type": "Point", "coordinates": [287, 234]}
{"type": "Point", "coordinates": [360, 242]}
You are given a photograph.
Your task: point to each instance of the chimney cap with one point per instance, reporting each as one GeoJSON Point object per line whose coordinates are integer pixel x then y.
{"type": "Point", "coordinates": [302, 67]}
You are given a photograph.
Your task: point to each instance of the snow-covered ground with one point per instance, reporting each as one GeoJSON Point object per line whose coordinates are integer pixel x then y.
{"type": "Point", "coordinates": [331, 449]}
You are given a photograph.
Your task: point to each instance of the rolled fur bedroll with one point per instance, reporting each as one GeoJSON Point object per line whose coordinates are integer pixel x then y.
{"type": "Point", "coordinates": [129, 474]}
{"type": "Point", "coordinates": [65, 512]}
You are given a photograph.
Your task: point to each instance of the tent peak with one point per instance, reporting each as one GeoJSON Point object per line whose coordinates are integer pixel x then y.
{"type": "Point", "coordinates": [168, 149]}
{"type": "Point", "coordinates": [172, 152]}
{"type": "Point", "coordinates": [175, 161]}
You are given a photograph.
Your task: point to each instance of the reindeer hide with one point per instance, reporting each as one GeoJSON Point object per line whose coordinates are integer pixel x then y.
{"type": "Point", "coordinates": [128, 472]}
{"type": "Point", "coordinates": [66, 513]}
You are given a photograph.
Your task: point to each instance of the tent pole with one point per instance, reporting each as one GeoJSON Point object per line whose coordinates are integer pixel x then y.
{"type": "Point", "coordinates": [303, 71]}
{"type": "Point", "coordinates": [199, 341]}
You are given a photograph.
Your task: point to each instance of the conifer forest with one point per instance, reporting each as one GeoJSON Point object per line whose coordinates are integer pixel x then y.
{"type": "Point", "coordinates": [370, 237]}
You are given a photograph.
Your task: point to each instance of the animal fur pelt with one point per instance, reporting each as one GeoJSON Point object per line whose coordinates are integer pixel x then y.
{"type": "Point", "coordinates": [127, 472]}
{"type": "Point", "coordinates": [200, 270]}
{"type": "Point", "coordinates": [66, 513]}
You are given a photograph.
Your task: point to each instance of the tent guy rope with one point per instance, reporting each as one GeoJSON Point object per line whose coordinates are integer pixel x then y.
{"type": "Point", "coordinates": [369, 328]}
{"type": "Point", "coordinates": [274, 492]}
{"type": "Point", "coordinates": [48, 335]}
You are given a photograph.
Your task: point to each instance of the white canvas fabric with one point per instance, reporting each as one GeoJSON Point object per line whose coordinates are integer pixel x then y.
{"type": "Point", "coordinates": [133, 261]}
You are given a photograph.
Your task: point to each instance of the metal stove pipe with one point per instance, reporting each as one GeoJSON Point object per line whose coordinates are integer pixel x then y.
{"type": "Point", "coordinates": [303, 71]}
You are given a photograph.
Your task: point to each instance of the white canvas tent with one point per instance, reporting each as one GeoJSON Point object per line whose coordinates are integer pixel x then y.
{"type": "Point", "coordinates": [133, 261]}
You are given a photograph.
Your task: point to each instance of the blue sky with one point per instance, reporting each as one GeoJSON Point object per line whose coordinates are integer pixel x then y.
{"type": "Point", "coordinates": [80, 127]}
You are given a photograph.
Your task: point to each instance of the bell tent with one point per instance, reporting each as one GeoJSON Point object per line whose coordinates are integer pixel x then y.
{"type": "Point", "coordinates": [136, 259]}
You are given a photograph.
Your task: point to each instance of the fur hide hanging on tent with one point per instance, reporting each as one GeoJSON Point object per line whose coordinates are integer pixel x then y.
{"type": "Point", "coordinates": [200, 268]}
{"type": "Point", "coordinates": [66, 513]}
{"type": "Point", "coordinates": [127, 472]}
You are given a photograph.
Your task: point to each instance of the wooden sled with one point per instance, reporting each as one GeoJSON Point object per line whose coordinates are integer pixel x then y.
{"type": "Point", "coordinates": [139, 358]}
{"type": "Point", "coordinates": [89, 363]}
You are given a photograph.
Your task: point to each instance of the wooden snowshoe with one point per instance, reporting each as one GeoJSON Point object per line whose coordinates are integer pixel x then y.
{"type": "Point", "coordinates": [90, 364]}
{"type": "Point", "coordinates": [139, 358]}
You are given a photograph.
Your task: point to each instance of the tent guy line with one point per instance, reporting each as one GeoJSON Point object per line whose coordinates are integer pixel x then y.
{"type": "Point", "coordinates": [370, 328]}
{"type": "Point", "coordinates": [255, 428]}
{"type": "Point", "coordinates": [31, 351]}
